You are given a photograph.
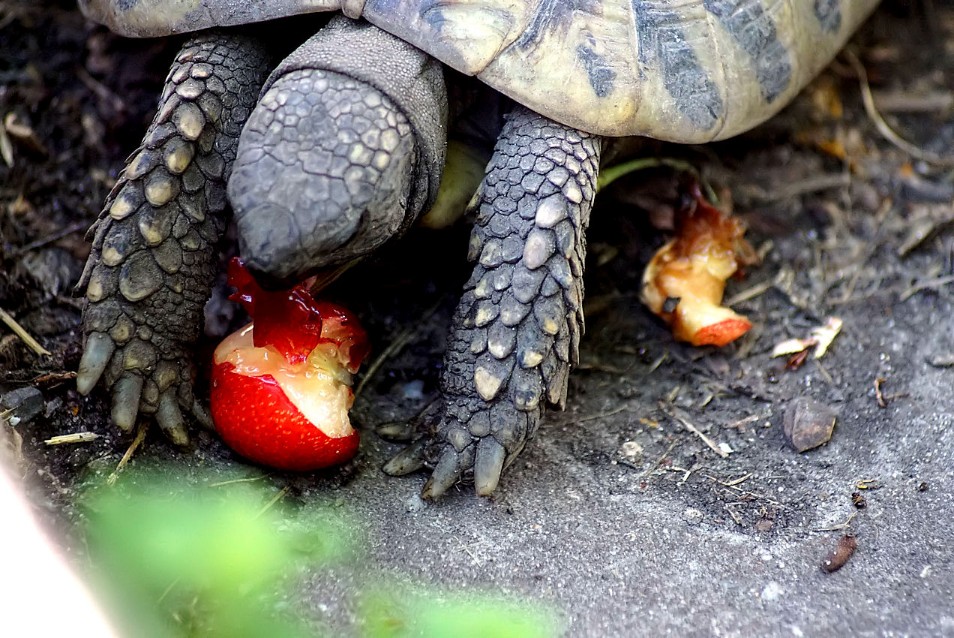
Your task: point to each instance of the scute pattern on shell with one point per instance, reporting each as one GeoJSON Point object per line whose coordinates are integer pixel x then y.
{"type": "Point", "coordinates": [679, 70]}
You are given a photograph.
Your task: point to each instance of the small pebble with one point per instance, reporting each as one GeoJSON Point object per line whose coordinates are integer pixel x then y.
{"type": "Point", "coordinates": [22, 404]}
{"type": "Point", "coordinates": [692, 516]}
{"type": "Point", "coordinates": [631, 450]}
{"type": "Point", "coordinates": [808, 424]}
{"type": "Point", "coordinates": [414, 503]}
{"type": "Point", "coordinates": [413, 390]}
{"type": "Point", "coordinates": [772, 591]}
{"type": "Point", "coordinates": [764, 525]}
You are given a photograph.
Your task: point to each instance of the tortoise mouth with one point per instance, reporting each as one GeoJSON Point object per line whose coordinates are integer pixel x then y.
{"type": "Point", "coordinates": [315, 278]}
{"type": "Point", "coordinates": [280, 251]}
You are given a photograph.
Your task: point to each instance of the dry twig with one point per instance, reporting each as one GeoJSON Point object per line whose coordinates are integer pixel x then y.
{"type": "Point", "coordinates": [601, 415]}
{"type": "Point", "coordinates": [692, 428]}
{"type": "Point", "coordinates": [655, 466]}
{"type": "Point", "coordinates": [883, 127]}
{"type": "Point", "coordinates": [879, 397]}
{"type": "Point", "coordinates": [839, 526]}
{"type": "Point", "coordinates": [49, 239]}
{"type": "Point", "coordinates": [69, 439]}
{"type": "Point", "coordinates": [927, 284]}
{"type": "Point", "coordinates": [754, 195]}
{"type": "Point", "coordinates": [732, 485]}
{"type": "Point", "coordinates": [140, 437]}
{"type": "Point", "coordinates": [23, 334]}
{"type": "Point", "coordinates": [269, 505]}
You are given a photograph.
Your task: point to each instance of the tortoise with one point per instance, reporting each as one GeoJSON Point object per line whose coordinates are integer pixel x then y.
{"type": "Point", "coordinates": [339, 147]}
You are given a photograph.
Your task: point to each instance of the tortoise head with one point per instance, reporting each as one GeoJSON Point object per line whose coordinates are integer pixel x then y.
{"type": "Point", "coordinates": [343, 152]}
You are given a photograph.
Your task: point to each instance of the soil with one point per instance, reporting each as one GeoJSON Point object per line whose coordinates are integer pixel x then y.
{"type": "Point", "coordinates": [666, 497]}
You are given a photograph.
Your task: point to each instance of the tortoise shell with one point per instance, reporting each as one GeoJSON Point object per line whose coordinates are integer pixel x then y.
{"type": "Point", "coordinates": [679, 70]}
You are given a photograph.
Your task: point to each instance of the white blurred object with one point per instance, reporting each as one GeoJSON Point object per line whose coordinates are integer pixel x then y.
{"type": "Point", "coordinates": [39, 594]}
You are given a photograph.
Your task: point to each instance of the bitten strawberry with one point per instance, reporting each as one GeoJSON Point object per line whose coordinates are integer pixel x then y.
{"type": "Point", "coordinates": [281, 386]}
{"type": "Point", "coordinates": [685, 280]}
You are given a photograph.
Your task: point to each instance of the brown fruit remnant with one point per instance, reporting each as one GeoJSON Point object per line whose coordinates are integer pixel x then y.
{"type": "Point", "coordinates": [685, 280]}
{"type": "Point", "coordinates": [838, 556]}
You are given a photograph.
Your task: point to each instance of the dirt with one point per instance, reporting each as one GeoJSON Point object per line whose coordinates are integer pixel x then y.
{"type": "Point", "coordinates": [666, 497]}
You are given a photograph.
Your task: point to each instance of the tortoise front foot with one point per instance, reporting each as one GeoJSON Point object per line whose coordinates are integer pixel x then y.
{"type": "Point", "coordinates": [460, 440]}
{"type": "Point", "coordinates": [154, 249]}
{"type": "Point", "coordinates": [516, 331]}
{"type": "Point", "coordinates": [143, 381]}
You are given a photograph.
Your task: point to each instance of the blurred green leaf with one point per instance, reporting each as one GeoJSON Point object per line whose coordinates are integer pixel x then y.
{"type": "Point", "coordinates": [203, 559]}
{"type": "Point", "coordinates": [401, 614]}
{"type": "Point", "coordinates": [181, 552]}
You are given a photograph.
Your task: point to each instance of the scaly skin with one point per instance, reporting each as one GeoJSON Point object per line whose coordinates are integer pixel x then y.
{"type": "Point", "coordinates": [153, 258]}
{"type": "Point", "coordinates": [296, 212]}
{"type": "Point", "coordinates": [516, 330]}
{"type": "Point", "coordinates": [344, 150]}
{"type": "Point", "coordinates": [342, 153]}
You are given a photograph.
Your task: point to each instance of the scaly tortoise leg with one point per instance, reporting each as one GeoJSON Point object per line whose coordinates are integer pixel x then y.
{"type": "Point", "coordinates": [517, 328]}
{"type": "Point", "coordinates": [153, 258]}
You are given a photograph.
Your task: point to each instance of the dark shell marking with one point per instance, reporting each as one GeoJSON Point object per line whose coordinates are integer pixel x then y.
{"type": "Point", "coordinates": [680, 70]}
{"type": "Point", "coordinates": [664, 46]}
{"type": "Point", "coordinates": [755, 32]}
{"type": "Point", "coordinates": [828, 13]}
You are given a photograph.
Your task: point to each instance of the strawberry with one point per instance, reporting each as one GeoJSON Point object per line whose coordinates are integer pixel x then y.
{"type": "Point", "coordinates": [281, 386]}
{"type": "Point", "coordinates": [685, 280]}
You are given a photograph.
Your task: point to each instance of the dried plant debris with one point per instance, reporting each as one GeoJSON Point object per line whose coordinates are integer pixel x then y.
{"type": "Point", "coordinates": [72, 439]}
{"type": "Point", "coordinates": [23, 134]}
{"type": "Point", "coordinates": [923, 223]}
{"type": "Point", "coordinates": [840, 554]}
{"type": "Point", "coordinates": [808, 424]}
{"type": "Point", "coordinates": [881, 397]}
{"type": "Point", "coordinates": [883, 127]}
{"type": "Point", "coordinates": [820, 339]}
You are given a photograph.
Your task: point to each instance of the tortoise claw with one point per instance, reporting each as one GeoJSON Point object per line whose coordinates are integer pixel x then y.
{"type": "Point", "coordinates": [397, 431]}
{"type": "Point", "coordinates": [96, 356]}
{"type": "Point", "coordinates": [457, 449]}
{"type": "Point", "coordinates": [170, 419]}
{"type": "Point", "coordinates": [450, 466]}
{"type": "Point", "coordinates": [489, 463]}
{"type": "Point", "coordinates": [126, 395]}
{"type": "Point", "coordinates": [202, 414]}
{"type": "Point", "coordinates": [407, 461]}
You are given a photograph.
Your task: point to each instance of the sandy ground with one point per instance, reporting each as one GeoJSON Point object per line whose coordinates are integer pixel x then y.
{"type": "Point", "coordinates": [619, 514]}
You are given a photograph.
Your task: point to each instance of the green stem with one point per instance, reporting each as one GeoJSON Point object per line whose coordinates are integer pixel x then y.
{"type": "Point", "coordinates": [609, 175]}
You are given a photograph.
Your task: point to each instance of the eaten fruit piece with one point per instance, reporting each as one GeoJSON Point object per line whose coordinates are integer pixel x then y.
{"type": "Point", "coordinates": [685, 280]}
{"type": "Point", "coordinates": [281, 386]}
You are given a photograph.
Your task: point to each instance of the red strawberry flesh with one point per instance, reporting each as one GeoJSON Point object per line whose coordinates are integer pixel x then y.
{"type": "Point", "coordinates": [256, 419]}
{"type": "Point", "coordinates": [293, 323]}
{"type": "Point", "coordinates": [281, 386]}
